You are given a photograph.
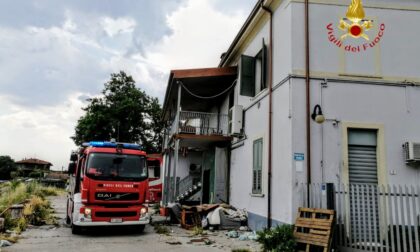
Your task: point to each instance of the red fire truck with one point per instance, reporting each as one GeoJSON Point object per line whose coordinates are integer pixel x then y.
{"type": "Point", "coordinates": [108, 186]}
{"type": "Point", "coordinates": [154, 163]}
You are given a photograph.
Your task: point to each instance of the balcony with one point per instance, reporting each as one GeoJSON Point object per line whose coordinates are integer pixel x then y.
{"type": "Point", "coordinates": [201, 123]}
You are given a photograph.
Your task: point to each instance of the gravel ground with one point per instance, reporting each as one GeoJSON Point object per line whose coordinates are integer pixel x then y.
{"type": "Point", "coordinates": [57, 239]}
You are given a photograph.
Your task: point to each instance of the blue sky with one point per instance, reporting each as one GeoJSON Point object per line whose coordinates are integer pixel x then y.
{"type": "Point", "coordinates": [56, 54]}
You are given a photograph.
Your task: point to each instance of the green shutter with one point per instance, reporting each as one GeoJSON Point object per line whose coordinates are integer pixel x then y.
{"type": "Point", "coordinates": [247, 76]}
{"type": "Point", "coordinates": [257, 167]}
{"type": "Point", "coordinates": [264, 66]}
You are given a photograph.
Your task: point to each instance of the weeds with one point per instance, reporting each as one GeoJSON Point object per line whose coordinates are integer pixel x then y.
{"type": "Point", "coordinates": [8, 238]}
{"type": "Point", "coordinates": [160, 229]}
{"type": "Point", "coordinates": [278, 239]}
{"type": "Point", "coordinates": [198, 231]}
{"type": "Point", "coordinates": [241, 250]}
{"type": "Point", "coordinates": [37, 210]}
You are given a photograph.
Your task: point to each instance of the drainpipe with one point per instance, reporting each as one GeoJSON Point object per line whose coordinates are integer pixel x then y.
{"type": "Point", "coordinates": [270, 114]}
{"type": "Point", "coordinates": [308, 102]}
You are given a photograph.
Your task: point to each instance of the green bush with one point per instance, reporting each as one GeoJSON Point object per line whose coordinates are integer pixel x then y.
{"type": "Point", "coordinates": [278, 239]}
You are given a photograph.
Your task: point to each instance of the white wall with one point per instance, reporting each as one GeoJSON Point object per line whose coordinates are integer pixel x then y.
{"type": "Point", "coordinates": [184, 163]}
{"type": "Point", "coordinates": [396, 55]}
{"type": "Point", "coordinates": [256, 126]}
{"type": "Point", "coordinates": [397, 108]}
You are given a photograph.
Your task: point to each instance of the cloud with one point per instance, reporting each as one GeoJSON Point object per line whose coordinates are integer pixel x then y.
{"type": "Point", "coordinates": [56, 54]}
{"type": "Point", "coordinates": [117, 26]}
{"type": "Point", "coordinates": [41, 132]}
{"type": "Point", "coordinates": [200, 34]}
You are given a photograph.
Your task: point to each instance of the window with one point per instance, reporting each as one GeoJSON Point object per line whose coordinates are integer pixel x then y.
{"type": "Point", "coordinates": [253, 73]}
{"type": "Point", "coordinates": [257, 166]}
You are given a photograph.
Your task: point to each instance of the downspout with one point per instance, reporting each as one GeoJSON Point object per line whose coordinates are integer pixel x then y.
{"type": "Point", "coordinates": [270, 114]}
{"type": "Point", "coordinates": [308, 102]}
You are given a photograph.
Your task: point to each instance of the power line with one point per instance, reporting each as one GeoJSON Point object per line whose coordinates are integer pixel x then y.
{"type": "Point", "coordinates": [208, 97]}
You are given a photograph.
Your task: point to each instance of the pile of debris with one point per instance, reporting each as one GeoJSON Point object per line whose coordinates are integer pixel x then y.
{"type": "Point", "coordinates": [209, 216]}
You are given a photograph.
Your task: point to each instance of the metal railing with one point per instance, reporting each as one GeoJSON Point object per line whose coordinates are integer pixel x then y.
{"type": "Point", "coordinates": [185, 184]}
{"type": "Point", "coordinates": [201, 123]}
{"type": "Point", "coordinates": [372, 217]}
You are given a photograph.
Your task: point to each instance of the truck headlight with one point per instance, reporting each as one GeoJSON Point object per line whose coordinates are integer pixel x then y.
{"type": "Point", "coordinates": [143, 212]}
{"type": "Point", "coordinates": [88, 212]}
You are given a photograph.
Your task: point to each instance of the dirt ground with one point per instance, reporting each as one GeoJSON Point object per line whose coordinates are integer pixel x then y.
{"type": "Point", "coordinates": [54, 239]}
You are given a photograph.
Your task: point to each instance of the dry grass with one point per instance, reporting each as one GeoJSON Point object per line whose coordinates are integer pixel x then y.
{"type": "Point", "coordinates": [37, 210]}
{"type": "Point", "coordinates": [9, 238]}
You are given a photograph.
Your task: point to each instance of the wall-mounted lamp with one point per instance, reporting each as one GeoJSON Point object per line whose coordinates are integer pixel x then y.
{"type": "Point", "coordinates": [317, 115]}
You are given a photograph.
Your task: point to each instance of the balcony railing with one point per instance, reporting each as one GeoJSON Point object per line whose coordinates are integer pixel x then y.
{"type": "Point", "coordinates": [200, 123]}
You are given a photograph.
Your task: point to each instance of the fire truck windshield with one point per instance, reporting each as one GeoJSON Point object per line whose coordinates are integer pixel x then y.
{"type": "Point", "coordinates": [107, 166]}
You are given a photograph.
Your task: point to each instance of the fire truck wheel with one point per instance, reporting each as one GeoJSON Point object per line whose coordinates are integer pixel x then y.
{"type": "Point", "coordinates": [68, 220]}
{"type": "Point", "coordinates": [75, 229]}
{"type": "Point", "coordinates": [141, 228]}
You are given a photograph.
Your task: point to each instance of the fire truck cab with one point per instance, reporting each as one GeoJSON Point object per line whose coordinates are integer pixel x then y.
{"type": "Point", "coordinates": [108, 186]}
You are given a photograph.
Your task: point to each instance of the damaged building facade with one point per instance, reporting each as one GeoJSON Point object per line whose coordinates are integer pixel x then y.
{"type": "Point", "coordinates": [243, 132]}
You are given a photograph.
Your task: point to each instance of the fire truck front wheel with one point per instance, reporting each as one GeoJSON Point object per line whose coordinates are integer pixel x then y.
{"type": "Point", "coordinates": [75, 229]}
{"type": "Point", "coordinates": [68, 220]}
{"type": "Point", "coordinates": [141, 228]}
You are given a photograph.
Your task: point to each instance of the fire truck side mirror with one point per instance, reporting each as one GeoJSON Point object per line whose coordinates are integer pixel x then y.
{"type": "Point", "coordinates": [73, 157]}
{"type": "Point", "coordinates": [72, 168]}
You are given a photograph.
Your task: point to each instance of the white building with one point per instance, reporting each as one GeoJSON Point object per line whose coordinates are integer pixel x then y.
{"type": "Point", "coordinates": [366, 84]}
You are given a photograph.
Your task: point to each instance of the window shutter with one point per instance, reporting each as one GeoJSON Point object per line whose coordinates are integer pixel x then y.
{"type": "Point", "coordinates": [247, 76]}
{"type": "Point", "coordinates": [264, 66]}
{"type": "Point", "coordinates": [257, 167]}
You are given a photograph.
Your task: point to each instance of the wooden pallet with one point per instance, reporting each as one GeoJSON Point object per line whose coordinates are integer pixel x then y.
{"type": "Point", "coordinates": [190, 219]}
{"type": "Point", "coordinates": [314, 227]}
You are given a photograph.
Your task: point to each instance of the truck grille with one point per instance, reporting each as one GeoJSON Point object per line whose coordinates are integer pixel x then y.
{"type": "Point", "coordinates": [115, 214]}
{"type": "Point", "coordinates": [113, 196]}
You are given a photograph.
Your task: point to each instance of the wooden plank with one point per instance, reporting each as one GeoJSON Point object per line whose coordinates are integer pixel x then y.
{"type": "Point", "coordinates": [316, 210]}
{"type": "Point", "coordinates": [319, 225]}
{"type": "Point", "coordinates": [319, 232]}
{"type": "Point", "coordinates": [203, 72]}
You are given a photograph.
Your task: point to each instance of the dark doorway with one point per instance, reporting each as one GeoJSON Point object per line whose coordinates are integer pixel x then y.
{"type": "Point", "coordinates": [206, 186]}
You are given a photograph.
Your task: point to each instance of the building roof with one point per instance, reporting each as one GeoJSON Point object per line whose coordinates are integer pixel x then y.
{"type": "Point", "coordinates": [33, 161]}
{"type": "Point", "coordinates": [202, 82]}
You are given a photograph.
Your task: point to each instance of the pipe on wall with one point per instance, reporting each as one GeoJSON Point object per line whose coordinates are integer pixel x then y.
{"type": "Point", "coordinates": [308, 101]}
{"type": "Point", "coordinates": [270, 114]}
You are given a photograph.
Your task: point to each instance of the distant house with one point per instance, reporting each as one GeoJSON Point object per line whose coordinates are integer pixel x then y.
{"type": "Point", "coordinates": [29, 165]}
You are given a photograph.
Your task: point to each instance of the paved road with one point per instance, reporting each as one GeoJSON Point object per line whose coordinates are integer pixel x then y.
{"type": "Point", "coordinates": [58, 239]}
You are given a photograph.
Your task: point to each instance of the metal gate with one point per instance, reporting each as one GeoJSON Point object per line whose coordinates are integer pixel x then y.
{"type": "Point", "coordinates": [363, 170]}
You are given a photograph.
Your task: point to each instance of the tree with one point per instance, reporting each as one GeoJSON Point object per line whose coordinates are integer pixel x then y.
{"type": "Point", "coordinates": [7, 165]}
{"type": "Point", "coordinates": [123, 112]}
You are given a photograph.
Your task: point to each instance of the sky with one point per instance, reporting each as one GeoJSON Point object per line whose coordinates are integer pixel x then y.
{"type": "Point", "coordinates": [54, 55]}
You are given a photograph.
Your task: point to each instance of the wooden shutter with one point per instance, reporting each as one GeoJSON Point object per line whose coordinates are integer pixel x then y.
{"type": "Point", "coordinates": [257, 167]}
{"type": "Point", "coordinates": [247, 74]}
